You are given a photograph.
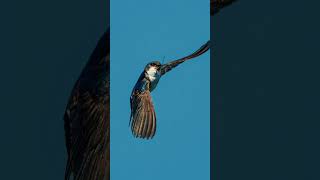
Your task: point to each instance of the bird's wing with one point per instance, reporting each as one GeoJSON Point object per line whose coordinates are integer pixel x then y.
{"type": "Point", "coordinates": [216, 5]}
{"type": "Point", "coordinates": [87, 119]}
{"type": "Point", "coordinates": [167, 67]}
{"type": "Point", "coordinates": [143, 116]}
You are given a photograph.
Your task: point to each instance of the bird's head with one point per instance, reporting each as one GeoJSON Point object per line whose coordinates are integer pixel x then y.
{"type": "Point", "coordinates": [153, 64]}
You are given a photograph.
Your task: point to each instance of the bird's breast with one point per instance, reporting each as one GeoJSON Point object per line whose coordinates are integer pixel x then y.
{"type": "Point", "coordinates": [154, 81]}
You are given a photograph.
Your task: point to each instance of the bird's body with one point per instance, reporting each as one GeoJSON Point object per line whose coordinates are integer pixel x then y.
{"type": "Point", "coordinates": [143, 117]}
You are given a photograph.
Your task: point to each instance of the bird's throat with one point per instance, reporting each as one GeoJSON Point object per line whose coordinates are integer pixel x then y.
{"type": "Point", "coordinates": [153, 75]}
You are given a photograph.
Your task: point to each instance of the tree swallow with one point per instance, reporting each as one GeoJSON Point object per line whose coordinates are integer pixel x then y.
{"type": "Point", "coordinates": [143, 116]}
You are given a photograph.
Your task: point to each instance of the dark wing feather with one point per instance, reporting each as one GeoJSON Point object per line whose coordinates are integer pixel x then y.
{"type": "Point", "coordinates": [167, 67]}
{"type": "Point", "coordinates": [87, 119]}
{"type": "Point", "coordinates": [216, 5]}
{"type": "Point", "coordinates": [143, 116]}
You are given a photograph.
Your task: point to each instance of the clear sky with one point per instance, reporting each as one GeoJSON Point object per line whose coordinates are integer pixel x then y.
{"type": "Point", "coordinates": [143, 31]}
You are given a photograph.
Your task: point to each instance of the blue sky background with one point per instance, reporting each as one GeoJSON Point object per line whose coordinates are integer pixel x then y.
{"type": "Point", "coordinates": [143, 31]}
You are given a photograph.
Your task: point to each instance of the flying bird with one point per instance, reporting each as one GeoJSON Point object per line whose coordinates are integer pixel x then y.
{"type": "Point", "coordinates": [216, 5]}
{"type": "Point", "coordinates": [143, 116]}
{"type": "Point", "coordinates": [87, 119]}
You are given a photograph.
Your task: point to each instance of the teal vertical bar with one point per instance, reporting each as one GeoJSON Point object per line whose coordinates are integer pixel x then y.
{"type": "Point", "coordinates": [143, 31]}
